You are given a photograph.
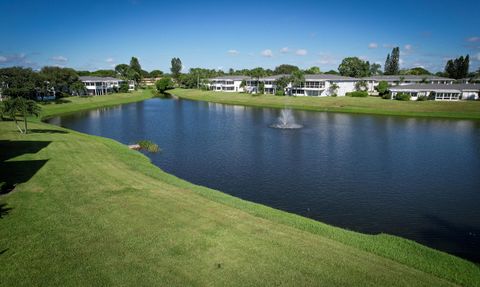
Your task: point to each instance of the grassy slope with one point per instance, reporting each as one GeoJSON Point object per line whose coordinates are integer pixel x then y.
{"type": "Point", "coordinates": [91, 212]}
{"type": "Point", "coordinates": [370, 105]}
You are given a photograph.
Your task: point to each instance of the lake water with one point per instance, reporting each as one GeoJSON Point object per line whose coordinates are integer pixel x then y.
{"type": "Point", "coordinates": [413, 177]}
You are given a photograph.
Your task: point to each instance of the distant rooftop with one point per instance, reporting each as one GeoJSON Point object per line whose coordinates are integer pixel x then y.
{"type": "Point", "coordinates": [432, 87]}
{"type": "Point", "coordinates": [412, 78]}
{"type": "Point", "coordinates": [98, 79]}
{"type": "Point", "coordinates": [232, 78]}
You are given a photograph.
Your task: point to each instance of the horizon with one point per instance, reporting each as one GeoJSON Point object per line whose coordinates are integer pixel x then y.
{"type": "Point", "coordinates": [214, 35]}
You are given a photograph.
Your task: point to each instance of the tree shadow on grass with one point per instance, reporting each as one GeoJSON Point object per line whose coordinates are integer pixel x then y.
{"type": "Point", "coordinates": [454, 238]}
{"type": "Point", "coordinates": [4, 210]}
{"type": "Point", "coordinates": [13, 172]}
{"type": "Point", "coordinates": [47, 131]}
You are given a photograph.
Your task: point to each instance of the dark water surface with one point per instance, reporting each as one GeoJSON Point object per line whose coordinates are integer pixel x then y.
{"type": "Point", "coordinates": [412, 177]}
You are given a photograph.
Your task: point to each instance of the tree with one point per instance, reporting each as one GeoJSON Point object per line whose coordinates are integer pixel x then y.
{"type": "Point", "coordinates": [382, 88]}
{"type": "Point", "coordinates": [375, 69]}
{"type": "Point", "coordinates": [285, 69]}
{"type": "Point", "coordinates": [122, 70]}
{"type": "Point", "coordinates": [176, 68]}
{"type": "Point", "coordinates": [19, 82]}
{"type": "Point", "coordinates": [297, 78]}
{"type": "Point", "coordinates": [123, 87]}
{"type": "Point", "coordinates": [135, 65]}
{"type": "Point", "coordinates": [361, 86]}
{"type": "Point", "coordinates": [332, 90]}
{"type": "Point", "coordinates": [313, 71]}
{"type": "Point", "coordinates": [354, 67]}
{"type": "Point", "coordinates": [156, 74]}
{"type": "Point", "coordinates": [135, 73]}
{"type": "Point", "coordinates": [61, 80]}
{"type": "Point", "coordinates": [458, 68]}
{"type": "Point", "coordinates": [281, 83]}
{"type": "Point", "coordinates": [331, 72]}
{"type": "Point", "coordinates": [164, 84]}
{"type": "Point", "coordinates": [415, 71]}
{"type": "Point", "coordinates": [392, 64]}
{"type": "Point", "coordinates": [20, 106]}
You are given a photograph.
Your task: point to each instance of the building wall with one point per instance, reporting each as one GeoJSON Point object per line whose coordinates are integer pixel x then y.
{"type": "Point", "coordinates": [469, 95]}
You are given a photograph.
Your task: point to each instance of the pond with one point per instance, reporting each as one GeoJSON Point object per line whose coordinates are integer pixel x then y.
{"type": "Point", "coordinates": [413, 177]}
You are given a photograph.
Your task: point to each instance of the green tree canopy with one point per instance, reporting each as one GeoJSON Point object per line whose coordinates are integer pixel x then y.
{"type": "Point", "coordinates": [313, 70]}
{"type": "Point", "coordinates": [354, 67]}
{"type": "Point", "coordinates": [176, 68]}
{"type": "Point", "coordinates": [415, 71]}
{"type": "Point", "coordinates": [285, 69]}
{"type": "Point", "coordinates": [156, 74]}
{"type": "Point", "coordinates": [457, 68]}
{"type": "Point", "coordinates": [164, 84]}
{"type": "Point", "coordinates": [19, 106]}
{"type": "Point", "coordinates": [392, 63]}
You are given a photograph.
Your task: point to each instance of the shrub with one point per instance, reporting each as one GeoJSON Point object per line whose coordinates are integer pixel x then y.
{"type": "Point", "coordinates": [387, 96]}
{"type": "Point", "coordinates": [358, 94]}
{"type": "Point", "coordinates": [382, 88]}
{"type": "Point", "coordinates": [279, 93]}
{"type": "Point", "coordinates": [123, 87]}
{"type": "Point", "coordinates": [402, 97]}
{"type": "Point", "coordinates": [148, 146]}
{"type": "Point", "coordinates": [422, 98]}
{"type": "Point", "coordinates": [333, 95]}
{"type": "Point", "coordinates": [164, 84]}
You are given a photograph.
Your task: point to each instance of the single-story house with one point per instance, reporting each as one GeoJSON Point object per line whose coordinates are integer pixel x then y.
{"type": "Point", "coordinates": [439, 92]}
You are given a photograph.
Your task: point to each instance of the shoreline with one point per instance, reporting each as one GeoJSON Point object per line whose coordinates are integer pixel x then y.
{"type": "Point", "coordinates": [386, 246]}
{"type": "Point", "coordinates": [335, 104]}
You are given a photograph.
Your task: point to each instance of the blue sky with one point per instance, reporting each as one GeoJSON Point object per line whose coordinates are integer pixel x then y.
{"type": "Point", "coordinates": [91, 35]}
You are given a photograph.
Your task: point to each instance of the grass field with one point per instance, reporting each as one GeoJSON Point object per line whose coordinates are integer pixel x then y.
{"type": "Point", "coordinates": [86, 210]}
{"type": "Point", "coordinates": [369, 105]}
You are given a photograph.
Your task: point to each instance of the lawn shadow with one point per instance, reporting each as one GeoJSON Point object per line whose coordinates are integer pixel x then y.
{"type": "Point", "coordinates": [460, 240]}
{"type": "Point", "coordinates": [13, 172]}
{"type": "Point", "coordinates": [47, 131]}
{"type": "Point", "coordinates": [4, 210]}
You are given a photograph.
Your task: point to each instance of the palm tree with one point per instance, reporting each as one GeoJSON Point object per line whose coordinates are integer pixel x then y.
{"type": "Point", "coordinates": [19, 106]}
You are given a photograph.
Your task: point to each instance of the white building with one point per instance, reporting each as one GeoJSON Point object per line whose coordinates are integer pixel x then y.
{"type": "Point", "coordinates": [227, 83]}
{"type": "Point", "coordinates": [103, 85]}
{"type": "Point", "coordinates": [321, 85]}
{"type": "Point", "coordinates": [439, 92]}
{"type": "Point", "coordinates": [401, 80]}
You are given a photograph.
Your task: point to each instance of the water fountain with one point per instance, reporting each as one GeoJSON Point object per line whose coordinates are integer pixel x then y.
{"type": "Point", "coordinates": [286, 120]}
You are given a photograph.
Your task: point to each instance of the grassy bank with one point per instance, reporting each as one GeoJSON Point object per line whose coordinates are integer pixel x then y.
{"type": "Point", "coordinates": [87, 210]}
{"type": "Point", "coordinates": [370, 105]}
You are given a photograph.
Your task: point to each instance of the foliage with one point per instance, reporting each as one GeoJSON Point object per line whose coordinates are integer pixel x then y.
{"type": "Point", "coordinates": [402, 97]}
{"type": "Point", "coordinates": [332, 90]}
{"type": "Point", "coordinates": [98, 73]}
{"type": "Point", "coordinates": [122, 70]}
{"type": "Point", "coordinates": [123, 88]}
{"type": "Point", "coordinates": [19, 82]}
{"type": "Point", "coordinates": [354, 67]}
{"type": "Point", "coordinates": [148, 146]}
{"type": "Point", "coordinates": [281, 84]}
{"type": "Point", "coordinates": [392, 64]}
{"type": "Point", "coordinates": [313, 71]}
{"type": "Point", "coordinates": [387, 96]}
{"type": "Point", "coordinates": [382, 88]}
{"type": "Point", "coordinates": [297, 78]}
{"type": "Point", "coordinates": [285, 69]}
{"type": "Point", "coordinates": [415, 71]}
{"type": "Point", "coordinates": [176, 68]}
{"type": "Point", "coordinates": [375, 69]}
{"type": "Point", "coordinates": [156, 74]}
{"type": "Point", "coordinates": [422, 98]}
{"type": "Point", "coordinates": [61, 80]}
{"type": "Point", "coordinates": [361, 85]}
{"type": "Point", "coordinates": [164, 84]}
{"type": "Point", "coordinates": [458, 68]}
{"type": "Point", "coordinates": [357, 94]}
{"type": "Point", "coordinates": [332, 72]}
{"type": "Point", "coordinates": [15, 107]}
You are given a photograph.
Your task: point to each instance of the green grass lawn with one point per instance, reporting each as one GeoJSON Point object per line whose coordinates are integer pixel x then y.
{"type": "Point", "coordinates": [87, 211]}
{"type": "Point", "coordinates": [369, 105]}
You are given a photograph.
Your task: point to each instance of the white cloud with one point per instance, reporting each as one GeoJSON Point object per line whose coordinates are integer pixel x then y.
{"type": "Point", "coordinates": [59, 59]}
{"type": "Point", "coordinates": [473, 39]}
{"type": "Point", "coordinates": [372, 45]}
{"type": "Point", "coordinates": [233, 52]}
{"type": "Point", "coordinates": [301, 52]}
{"type": "Point", "coordinates": [408, 47]}
{"type": "Point", "coordinates": [477, 56]}
{"type": "Point", "coordinates": [284, 50]}
{"type": "Point", "coordinates": [267, 53]}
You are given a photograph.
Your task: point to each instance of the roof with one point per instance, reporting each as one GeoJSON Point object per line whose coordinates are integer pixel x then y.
{"type": "Point", "coordinates": [274, 77]}
{"type": "Point", "coordinates": [232, 78]}
{"type": "Point", "coordinates": [329, 77]}
{"type": "Point", "coordinates": [99, 79]}
{"type": "Point", "coordinates": [437, 87]}
{"type": "Point", "coordinates": [413, 78]}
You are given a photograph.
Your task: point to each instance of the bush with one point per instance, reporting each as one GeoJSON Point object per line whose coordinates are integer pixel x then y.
{"type": "Point", "coordinates": [123, 88]}
{"type": "Point", "coordinates": [164, 84]}
{"type": "Point", "coordinates": [422, 98]}
{"type": "Point", "coordinates": [148, 146]}
{"type": "Point", "coordinates": [382, 88]}
{"type": "Point", "coordinates": [402, 97]}
{"type": "Point", "coordinates": [387, 96]}
{"type": "Point", "coordinates": [358, 94]}
{"type": "Point", "coordinates": [279, 93]}
{"type": "Point", "coordinates": [333, 95]}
